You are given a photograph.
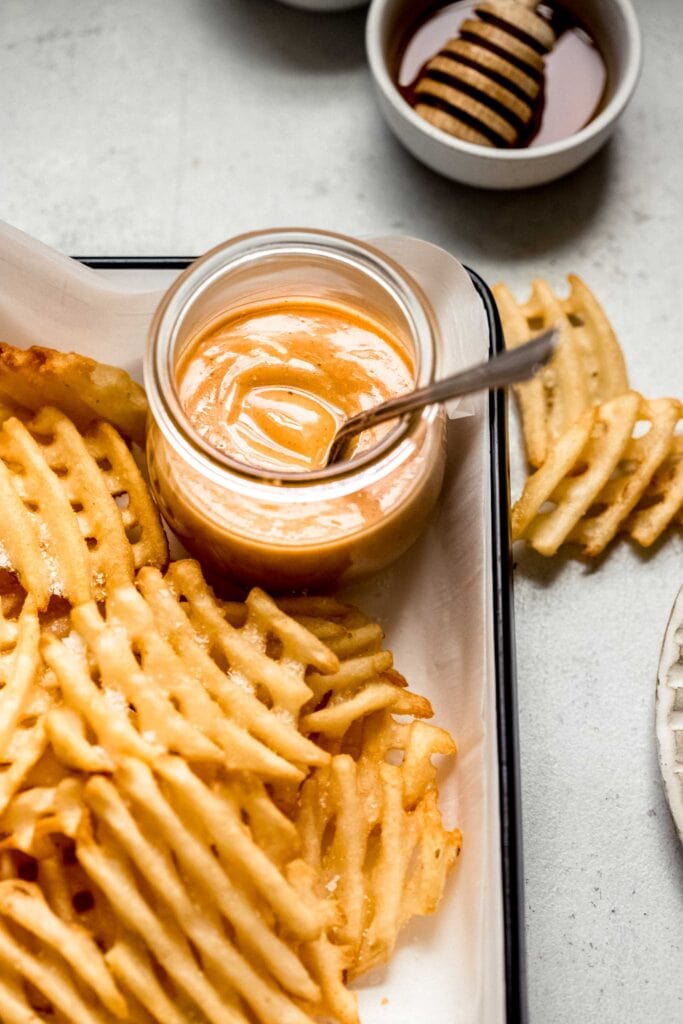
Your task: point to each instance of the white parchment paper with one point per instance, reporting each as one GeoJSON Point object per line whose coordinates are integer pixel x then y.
{"type": "Point", "coordinates": [435, 603]}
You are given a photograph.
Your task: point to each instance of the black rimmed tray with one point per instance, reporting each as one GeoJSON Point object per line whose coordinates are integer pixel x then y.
{"type": "Point", "coordinates": [503, 646]}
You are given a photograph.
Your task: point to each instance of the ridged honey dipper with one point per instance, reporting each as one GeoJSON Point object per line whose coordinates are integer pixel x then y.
{"type": "Point", "coordinates": [484, 86]}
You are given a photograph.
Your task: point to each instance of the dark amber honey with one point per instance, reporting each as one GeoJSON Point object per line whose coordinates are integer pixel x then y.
{"type": "Point", "coordinates": [574, 83]}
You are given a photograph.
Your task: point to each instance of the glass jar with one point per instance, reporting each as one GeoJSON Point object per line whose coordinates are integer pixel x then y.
{"type": "Point", "coordinates": [293, 530]}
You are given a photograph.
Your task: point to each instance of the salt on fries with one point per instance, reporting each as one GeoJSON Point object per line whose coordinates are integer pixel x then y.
{"type": "Point", "coordinates": [587, 369]}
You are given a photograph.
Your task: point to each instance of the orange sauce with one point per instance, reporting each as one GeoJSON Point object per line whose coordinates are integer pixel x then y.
{"type": "Point", "coordinates": [270, 385]}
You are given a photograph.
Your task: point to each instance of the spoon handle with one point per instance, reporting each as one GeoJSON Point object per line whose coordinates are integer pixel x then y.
{"type": "Point", "coordinates": [509, 367]}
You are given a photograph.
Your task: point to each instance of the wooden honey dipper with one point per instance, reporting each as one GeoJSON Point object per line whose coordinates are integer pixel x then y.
{"type": "Point", "coordinates": [485, 85]}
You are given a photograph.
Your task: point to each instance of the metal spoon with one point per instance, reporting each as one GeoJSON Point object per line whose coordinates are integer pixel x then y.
{"type": "Point", "coordinates": [507, 368]}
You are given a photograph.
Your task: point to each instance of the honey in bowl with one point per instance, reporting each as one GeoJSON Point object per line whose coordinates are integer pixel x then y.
{"type": "Point", "coordinates": [503, 73]}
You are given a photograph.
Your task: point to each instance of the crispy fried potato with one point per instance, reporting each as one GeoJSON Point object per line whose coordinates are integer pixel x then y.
{"type": "Point", "coordinates": [661, 503]}
{"type": "Point", "coordinates": [588, 368]}
{"type": "Point", "coordinates": [24, 904]}
{"type": "Point", "coordinates": [197, 915]}
{"type": "Point", "coordinates": [136, 734]}
{"type": "Point", "coordinates": [640, 459]}
{"type": "Point", "coordinates": [578, 492]}
{"type": "Point", "coordinates": [372, 831]}
{"type": "Point", "coordinates": [78, 516]}
{"type": "Point", "coordinates": [605, 475]}
{"type": "Point", "coordinates": [23, 704]}
{"type": "Point", "coordinates": [84, 390]}
{"type": "Point", "coordinates": [572, 486]}
{"type": "Point", "coordinates": [153, 742]}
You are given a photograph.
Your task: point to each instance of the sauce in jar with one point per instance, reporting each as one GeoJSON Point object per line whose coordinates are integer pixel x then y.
{"type": "Point", "coordinates": [255, 354]}
{"type": "Point", "coordinates": [271, 385]}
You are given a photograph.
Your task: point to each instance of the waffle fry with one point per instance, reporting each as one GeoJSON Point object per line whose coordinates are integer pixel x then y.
{"type": "Point", "coordinates": [161, 856]}
{"type": "Point", "coordinates": [132, 967]}
{"type": "Point", "coordinates": [597, 474]}
{"type": "Point", "coordinates": [50, 977]}
{"type": "Point", "coordinates": [373, 833]}
{"type": "Point", "coordinates": [184, 875]}
{"type": "Point", "coordinates": [83, 389]}
{"type": "Point", "coordinates": [22, 903]}
{"type": "Point", "coordinates": [23, 704]}
{"type": "Point", "coordinates": [154, 647]}
{"type": "Point", "coordinates": [138, 512]}
{"type": "Point", "coordinates": [639, 460]}
{"type": "Point", "coordinates": [235, 668]}
{"type": "Point", "coordinates": [63, 530]}
{"type": "Point", "coordinates": [153, 741]}
{"type": "Point", "coordinates": [198, 915]}
{"type": "Point", "coordinates": [662, 500]}
{"type": "Point", "coordinates": [587, 370]}
{"type": "Point", "coordinates": [365, 682]}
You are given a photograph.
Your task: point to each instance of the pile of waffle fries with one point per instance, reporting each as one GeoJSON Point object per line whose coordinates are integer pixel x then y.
{"type": "Point", "coordinates": [607, 461]}
{"type": "Point", "coordinates": [208, 809]}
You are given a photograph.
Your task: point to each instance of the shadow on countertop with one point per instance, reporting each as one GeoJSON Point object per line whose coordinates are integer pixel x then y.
{"type": "Point", "coordinates": [505, 225]}
{"type": "Point", "coordinates": [278, 34]}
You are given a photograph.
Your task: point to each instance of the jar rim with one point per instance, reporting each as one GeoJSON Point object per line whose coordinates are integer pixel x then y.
{"type": "Point", "coordinates": [252, 248]}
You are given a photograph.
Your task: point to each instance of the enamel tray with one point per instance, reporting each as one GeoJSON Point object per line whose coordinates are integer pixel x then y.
{"type": "Point", "coordinates": [501, 988]}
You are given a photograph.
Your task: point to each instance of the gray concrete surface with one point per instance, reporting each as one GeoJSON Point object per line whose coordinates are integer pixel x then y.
{"type": "Point", "coordinates": [164, 126]}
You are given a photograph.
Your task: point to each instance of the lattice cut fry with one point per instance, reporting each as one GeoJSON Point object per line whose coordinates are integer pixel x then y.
{"type": "Point", "coordinates": [132, 967]}
{"type": "Point", "coordinates": [14, 1005]}
{"type": "Point", "coordinates": [66, 730]}
{"type": "Point", "coordinates": [587, 369]}
{"type": "Point", "coordinates": [23, 704]}
{"type": "Point", "coordinates": [190, 889]}
{"type": "Point", "coordinates": [245, 650]}
{"type": "Point", "coordinates": [109, 555]}
{"type": "Point", "coordinates": [217, 816]}
{"type": "Point", "coordinates": [195, 914]}
{"type": "Point", "coordinates": [639, 460]}
{"type": "Point", "coordinates": [78, 518]}
{"type": "Point", "coordinates": [18, 672]}
{"type": "Point", "coordinates": [152, 853]}
{"type": "Point", "coordinates": [39, 811]}
{"type": "Point", "coordinates": [191, 847]}
{"type": "Point", "coordinates": [254, 674]}
{"type": "Point", "coordinates": [83, 389]}
{"type": "Point", "coordinates": [606, 474]}
{"type": "Point", "coordinates": [574, 474]}
{"type": "Point", "coordinates": [372, 694]}
{"type": "Point", "coordinates": [50, 977]}
{"type": "Point", "coordinates": [375, 837]}
{"type": "Point", "coordinates": [416, 742]}
{"type": "Point", "coordinates": [365, 681]}
{"type": "Point", "coordinates": [662, 501]}
{"type": "Point", "coordinates": [24, 904]}
{"type": "Point", "coordinates": [125, 483]}
{"type": "Point", "coordinates": [105, 709]}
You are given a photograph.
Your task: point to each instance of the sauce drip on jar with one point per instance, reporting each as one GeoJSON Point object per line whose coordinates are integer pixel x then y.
{"type": "Point", "coordinates": [271, 384]}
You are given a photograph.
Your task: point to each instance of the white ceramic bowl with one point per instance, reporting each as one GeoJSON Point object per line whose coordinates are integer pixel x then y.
{"type": "Point", "coordinates": [324, 5]}
{"type": "Point", "coordinates": [614, 25]}
{"type": "Point", "coordinates": [669, 719]}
